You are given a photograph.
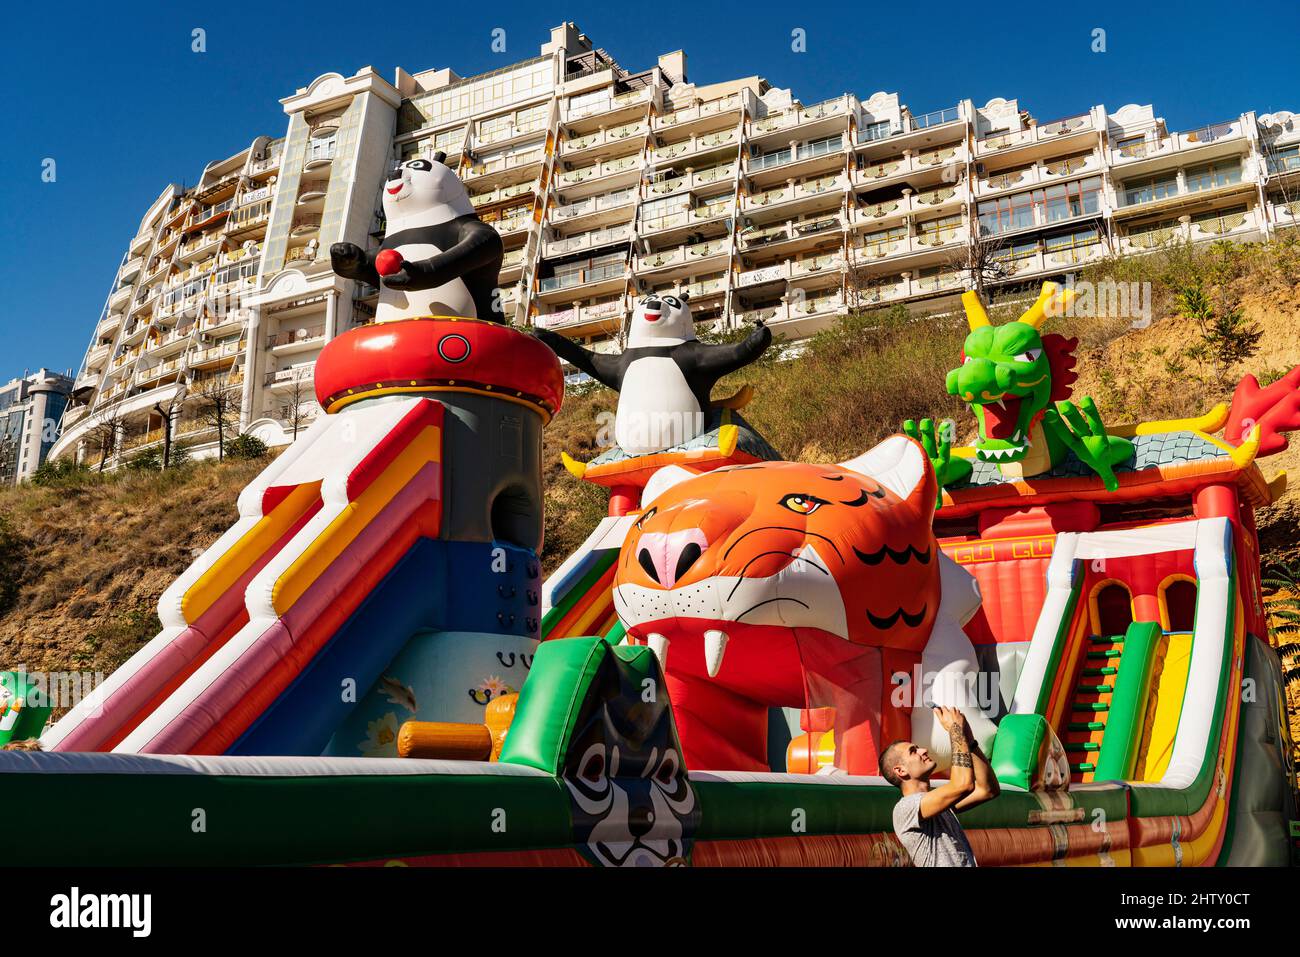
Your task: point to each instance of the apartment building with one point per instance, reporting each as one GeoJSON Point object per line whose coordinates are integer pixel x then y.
{"type": "Point", "coordinates": [30, 410]}
{"type": "Point", "coordinates": [607, 183]}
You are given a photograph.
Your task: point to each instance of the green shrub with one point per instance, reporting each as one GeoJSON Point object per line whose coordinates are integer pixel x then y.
{"type": "Point", "coordinates": [150, 460]}
{"type": "Point", "coordinates": [245, 446]}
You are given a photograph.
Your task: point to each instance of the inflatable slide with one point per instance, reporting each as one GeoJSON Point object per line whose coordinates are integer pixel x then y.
{"type": "Point", "coordinates": [730, 651]}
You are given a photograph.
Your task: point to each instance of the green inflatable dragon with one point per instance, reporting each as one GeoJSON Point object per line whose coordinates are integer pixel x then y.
{"type": "Point", "coordinates": [1018, 382]}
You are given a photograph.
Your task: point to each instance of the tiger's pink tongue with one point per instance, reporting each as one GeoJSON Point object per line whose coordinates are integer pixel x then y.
{"type": "Point", "coordinates": [1000, 423]}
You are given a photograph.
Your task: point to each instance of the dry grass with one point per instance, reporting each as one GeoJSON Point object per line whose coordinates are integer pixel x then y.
{"type": "Point", "coordinates": [97, 554]}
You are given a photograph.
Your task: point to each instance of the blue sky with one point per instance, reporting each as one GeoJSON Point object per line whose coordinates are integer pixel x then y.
{"type": "Point", "coordinates": [115, 96]}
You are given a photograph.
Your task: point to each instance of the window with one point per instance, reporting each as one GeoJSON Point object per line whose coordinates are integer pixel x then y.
{"type": "Point", "coordinates": [1079, 239]}
{"type": "Point", "coordinates": [1285, 160]}
{"type": "Point", "coordinates": [1180, 604]}
{"type": "Point", "coordinates": [1213, 175]}
{"type": "Point", "coordinates": [875, 131]}
{"type": "Point", "coordinates": [1151, 189]}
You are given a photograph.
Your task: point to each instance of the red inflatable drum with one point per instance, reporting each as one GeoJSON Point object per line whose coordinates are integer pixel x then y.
{"type": "Point", "coordinates": [441, 354]}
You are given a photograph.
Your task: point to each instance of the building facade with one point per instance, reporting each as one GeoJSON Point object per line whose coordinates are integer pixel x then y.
{"type": "Point", "coordinates": [30, 411]}
{"type": "Point", "coordinates": [606, 184]}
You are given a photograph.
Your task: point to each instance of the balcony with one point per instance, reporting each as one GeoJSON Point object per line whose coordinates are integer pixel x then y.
{"type": "Point", "coordinates": [952, 158]}
{"type": "Point", "coordinates": [606, 315]}
{"type": "Point", "coordinates": [1231, 134]}
{"type": "Point", "coordinates": [118, 301]}
{"type": "Point", "coordinates": [778, 272]}
{"type": "Point", "coordinates": [609, 274]}
{"type": "Point", "coordinates": [609, 137]}
{"type": "Point", "coordinates": [162, 369]}
{"type": "Point", "coordinates": [834, 109]}
{"type": "Point", "coordinates": [140, 244]}
{"type": "Point", "coordinates": [622, 199]}
{"type": "Point", "coordinates": [97, 355]}
{"type": "Point", "coordinates": [264, 165]}
{"type": "Point", "coordinates": [1286, 214]}
{"type": "Point", "coordinates": [505, 164]}
{"type": "Point", "coordinates": [619, 103]}
{"type": "Point", "coordinates": [501, 194]}
{"type": "Point", "coordinates": [781, 196]}
{"type": "Point", "coordinates": [249, 217]}
{"type": "Point", "coordinates": [598, 171]}
{"type": "Point", "coordinates": [295, 376]}
{"type": "Point", "coordinates": [131, 269]}
{"type": "Point", "coordinates": [1049, 260]}
{"type": "Point", "coordinates": [320, 155]}
{"type": "Point", "coordinates": [215, 354]}
{"type": "Point", "coordinates": [696, 179]}
{"type": "Point", "coordinates": [689, 217]}
{"type": "Point", "coordinates": [796, 312]}
{"type": "Point", "coordinates": [295, 340]}
{"type": "Point", "coordinates": [300, 256]}
{"type": "Point", "coordinates": [705, 288]}
{"type": "Point", "coordinates": [897, 243]}
{"type": "Point", "coordinates": [510, 225]}
{"type": "Point", "coordinates": [1038, 174]}
{"type": "Point", "coordinates": [700, 112]}
{"type": "Point", "coordinates": [692, 255]}
{"type": "Point", "coordinates": [753, 237]}
{"type": "Point", "coordinates": [797, 157]}
{"type": "Point", "coordinates": [696, 144]}
{"type": "Point", "coordinates": [591, 240]}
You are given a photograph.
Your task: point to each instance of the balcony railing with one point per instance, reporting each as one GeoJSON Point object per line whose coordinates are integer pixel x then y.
{"type": "Point", "coordinates": [1149, 146]}
{"type": "Point", "coordinates": [683, 255]}
{"type": "Point", "coordinates": [295, 337]}
{"type": "Point", "coordinates": [583, 277]}
{"type": "Point", "coordinates": [601, 137]}
{"type": "Point", "coordinates": [596, 170]}
{"type": "Point", "coordinates": [591, 240]}
{"type": "Point", "coordinates": [700, 111]}
{"type": "Point", "coordinates": [301, 374]}
{"type": "Point", "coordinates": [593, 204]}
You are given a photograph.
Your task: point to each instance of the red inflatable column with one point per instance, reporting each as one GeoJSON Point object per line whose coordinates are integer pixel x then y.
{"type": "Point", "coordinates": [1217, 501]}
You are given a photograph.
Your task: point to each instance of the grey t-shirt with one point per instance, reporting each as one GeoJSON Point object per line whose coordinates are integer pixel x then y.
{"type": "Point", "coordinates": [932, 842]}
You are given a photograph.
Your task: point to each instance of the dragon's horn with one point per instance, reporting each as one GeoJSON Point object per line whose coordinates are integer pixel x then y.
{"type": "Point", "coordinates": [1036, 313]}
{"type": "Point", "coordinates": [975, 314]}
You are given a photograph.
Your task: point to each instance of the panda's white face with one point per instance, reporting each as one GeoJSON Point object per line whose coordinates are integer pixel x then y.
{"type": "Point", "coordinates": [661, 320]}
{"type": "Point", "coordinates": [421, 186]}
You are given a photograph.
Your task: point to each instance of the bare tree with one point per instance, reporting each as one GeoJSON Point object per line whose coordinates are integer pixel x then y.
{"type": "Point", "coordinates": [106, 433]}
{"type": "Point", "coordinates": [298, 402]}
{"type": "Point", "coordinates": [169, 416]}
{"type": "Point", "coordinates": [218, 407]}
{"type": "Point", "coordinates": [861, 289]}
{"type": "Point", "coordinates": [981, 262]}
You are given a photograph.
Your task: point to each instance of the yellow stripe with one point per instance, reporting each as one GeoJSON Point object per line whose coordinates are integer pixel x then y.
{"type": "Point", "coordinates": [407, 389]}
{"type": "Point", "coordinates": [237, 559]}
{"type": "Point", "coordinates": [330, 543]}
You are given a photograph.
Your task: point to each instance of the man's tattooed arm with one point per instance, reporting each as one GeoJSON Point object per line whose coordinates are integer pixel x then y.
{"type": "Point", "coordinates": [960, 749]}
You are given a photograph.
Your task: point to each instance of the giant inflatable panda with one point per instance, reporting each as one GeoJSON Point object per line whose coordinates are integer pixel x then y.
{"type": "Point", "coordinates": [665, 374]}
{"type": "Point", "coordinates": [437, 258]}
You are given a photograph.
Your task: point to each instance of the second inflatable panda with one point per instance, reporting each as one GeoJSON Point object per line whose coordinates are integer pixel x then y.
{"type": "Point", "coordinates": [664, 376]}
{"type": "Point", "coordinates": [437, 258]}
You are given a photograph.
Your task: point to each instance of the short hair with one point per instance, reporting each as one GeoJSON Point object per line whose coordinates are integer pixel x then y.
{"type": "Point", "coordinates": [887, 763]}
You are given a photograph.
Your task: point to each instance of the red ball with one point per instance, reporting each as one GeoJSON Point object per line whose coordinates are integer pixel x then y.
{"type": "Point", "coordinates": [388, 262]}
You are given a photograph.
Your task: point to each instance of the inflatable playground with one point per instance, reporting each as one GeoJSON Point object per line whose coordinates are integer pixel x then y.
{"type": "Point", "coordinates": [367, 668]}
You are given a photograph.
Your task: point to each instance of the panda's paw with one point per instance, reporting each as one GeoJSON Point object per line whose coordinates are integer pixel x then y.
{"type": "Point", "coordinates": [346, 257]}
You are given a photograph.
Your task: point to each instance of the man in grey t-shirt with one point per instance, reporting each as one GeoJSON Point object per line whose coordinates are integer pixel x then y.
{"type": "Point", "coordinates": [925, 820]}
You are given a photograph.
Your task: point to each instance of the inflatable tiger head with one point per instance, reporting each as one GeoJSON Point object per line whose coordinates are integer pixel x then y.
{"type": "Point", "coordinates": [844, 550]}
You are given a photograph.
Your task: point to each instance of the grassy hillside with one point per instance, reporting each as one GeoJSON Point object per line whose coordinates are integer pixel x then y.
{"type": "Point", "coordinates": [82, 563]}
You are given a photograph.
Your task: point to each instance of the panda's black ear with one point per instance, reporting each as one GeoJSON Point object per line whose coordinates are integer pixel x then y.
{"type": "Point", "coordinates": [684, 296]}
{"type": "Point", "coordinates": [439, 157]}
